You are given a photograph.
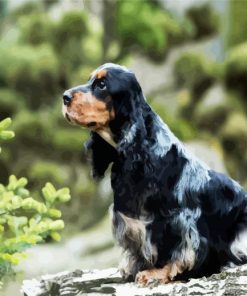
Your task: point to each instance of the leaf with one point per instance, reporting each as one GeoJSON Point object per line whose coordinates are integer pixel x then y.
{"type": "Point", "coordinates": [5, 123]}
{"type": "Point", "coordinates": [6, 135]}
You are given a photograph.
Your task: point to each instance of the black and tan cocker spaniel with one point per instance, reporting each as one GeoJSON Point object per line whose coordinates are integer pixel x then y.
{"type": "Point", "coordinates": [174, 217]}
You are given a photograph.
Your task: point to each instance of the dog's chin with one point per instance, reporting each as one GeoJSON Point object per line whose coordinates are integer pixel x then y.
{"type": "Point", "coordinates": [91, 125]}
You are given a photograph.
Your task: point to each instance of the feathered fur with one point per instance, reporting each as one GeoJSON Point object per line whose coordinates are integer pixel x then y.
{"type": "Point", "coordinates": [173, 216]}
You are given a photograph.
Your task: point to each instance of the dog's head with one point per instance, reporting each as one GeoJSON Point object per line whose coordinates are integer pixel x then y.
{"type": "Point", "coordinates": [108, 105]}
{"type": "Point", "coordinates": [109, 91]}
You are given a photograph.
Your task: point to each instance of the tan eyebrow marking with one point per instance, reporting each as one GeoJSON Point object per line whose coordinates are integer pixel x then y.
{"type": "Point", "coordinates": [101, 74]}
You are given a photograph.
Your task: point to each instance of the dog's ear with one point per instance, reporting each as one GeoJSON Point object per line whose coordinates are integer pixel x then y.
{"type": "Point", "coordinates": [102, 154]}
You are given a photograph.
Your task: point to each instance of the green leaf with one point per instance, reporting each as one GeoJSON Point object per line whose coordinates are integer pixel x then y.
{"type": "Point", "coordinates": [5, 123]}
{"type": "Point", "coordinates": [6, 135]}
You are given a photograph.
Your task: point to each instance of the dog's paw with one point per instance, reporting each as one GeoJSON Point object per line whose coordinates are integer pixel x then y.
{"type": "Point", "coordinates": [151, 278]}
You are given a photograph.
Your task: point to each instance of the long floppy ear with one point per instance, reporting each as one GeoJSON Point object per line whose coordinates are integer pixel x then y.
{"type": "Point", "coordinates": [102, 154]}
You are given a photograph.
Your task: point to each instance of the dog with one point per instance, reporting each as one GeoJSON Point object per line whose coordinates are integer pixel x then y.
{"type": "Point", "coordinates": [172, 215]}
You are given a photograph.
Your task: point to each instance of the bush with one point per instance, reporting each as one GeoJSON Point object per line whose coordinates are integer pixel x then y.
{"type": "Point", "coordinates": [236, 70]}
{"type": "Point", "coordinates": [74, 140]}
{"type": "Point", "coordinates": [11, 102]}
{"type": "Point", "coordinates": [194, 71]}
{"type": "Point", "coordinates": [36, 29]}
{"type": "Point", "coordinates": [34, 129]}
{"type": "Point", "coordinates": [25, 221]}
{"type": "Point", "coordinates": [204, 19]}
{"type": "Point", "coordinates": [72, 26]}
{"type": "Point", "coordinates": [32, 72]}
{"type": "Point", "coordinates": [152, 31]}
{"type": "Point", "coordinates": [42, 170]}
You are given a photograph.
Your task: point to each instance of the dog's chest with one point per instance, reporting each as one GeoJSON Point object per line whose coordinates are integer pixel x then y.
{"type": "Point", "coordinates": [132, 235]}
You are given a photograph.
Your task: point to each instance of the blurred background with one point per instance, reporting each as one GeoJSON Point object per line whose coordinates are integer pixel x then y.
{"type": "Point", "coordinates": [190, 57]}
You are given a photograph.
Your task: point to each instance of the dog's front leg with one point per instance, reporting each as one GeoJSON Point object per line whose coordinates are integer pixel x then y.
{"type": "Point", "coordinates": [130, 265]}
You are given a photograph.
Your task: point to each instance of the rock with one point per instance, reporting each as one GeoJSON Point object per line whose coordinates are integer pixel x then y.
{"type": "Point", "coordinates": [232, 281]}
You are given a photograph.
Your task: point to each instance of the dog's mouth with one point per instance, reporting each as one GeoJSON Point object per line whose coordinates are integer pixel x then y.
{"type": "Point", "coordinates": [92, 125]}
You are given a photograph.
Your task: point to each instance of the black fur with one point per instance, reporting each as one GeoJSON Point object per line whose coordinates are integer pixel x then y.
{"type": "Point", "coordinates": [191, 208]}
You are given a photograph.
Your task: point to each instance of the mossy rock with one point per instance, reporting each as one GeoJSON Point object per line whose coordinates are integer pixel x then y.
{"type": "Point", "coordinates": [234, 135]}
{"type": "Point", "coordinates": [236, 70]}
{"type": "Point", "coordinates": [193, 71]}
{"type": "Point", "coordinates": [204, 19]}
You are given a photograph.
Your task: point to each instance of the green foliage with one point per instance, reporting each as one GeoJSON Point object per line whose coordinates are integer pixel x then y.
{"type": "Point", "coordinates": [39, 126]}
{"type": "Point", "coordinates": [195, 72]}
{"type": "Point", "coordinates": [11, 102]}
{"type": "Point", "coordinates": [27, 8]}
{"type": "Point", "coordinates": [181, 128]}
{"type": "Point", "coordinates": [72, 26]}
{"type": "Point", "coordinates": [5, 134]}
{"type": "Point", "coordinates": [36, 29]}
{"type": "Point", "coordinates": [204, 19]}
{"type": "Point", "coordinates": [236, 70]}
{"type": "Point", "coordinates": [25, 221]}
{"type": "Point", "coordinates": [34, 74]}
{"type": "Point", "coordinates": [75, 139]}
{"type": "Point", "coordinates": [237, 30]}
{"type": "Point", "coordinates": [153, 31]}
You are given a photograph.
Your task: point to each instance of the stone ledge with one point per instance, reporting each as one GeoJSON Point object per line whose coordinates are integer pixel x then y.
{"type": "Point", "coordinates": [232, 281]}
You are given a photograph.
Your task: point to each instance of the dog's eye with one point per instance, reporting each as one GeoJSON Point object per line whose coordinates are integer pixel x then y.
{"type": "Point", "coordinates": [100, 84]}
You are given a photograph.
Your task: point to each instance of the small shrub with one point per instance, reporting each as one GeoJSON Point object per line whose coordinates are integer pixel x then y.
{"type": "Point", "coordinates": [25, 221]}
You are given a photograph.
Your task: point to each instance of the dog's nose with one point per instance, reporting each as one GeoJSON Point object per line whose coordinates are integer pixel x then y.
{"type": "Point", "coordinates": [67, 98]}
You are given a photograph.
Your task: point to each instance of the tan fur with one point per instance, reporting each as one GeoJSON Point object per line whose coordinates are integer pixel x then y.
{"type": "Point", "coordinates": [162, 275]}
{"type": "Point", "coordinates": [86, 108]}
{"type": "Point", "coordinates": [185, 254]}
{"type": "Point", "coordinates": [106, 134]}
{"type": "Point", "coordinates": [100, 74]}
{"type": "Point", "coordinates": [132, 235]}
